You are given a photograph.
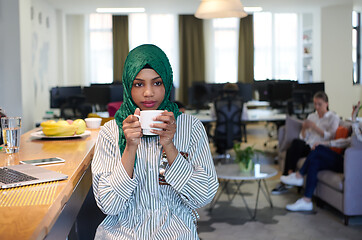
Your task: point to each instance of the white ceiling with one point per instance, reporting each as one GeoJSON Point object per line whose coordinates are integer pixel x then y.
{"type": "Point", "coordinates": [190, 6]}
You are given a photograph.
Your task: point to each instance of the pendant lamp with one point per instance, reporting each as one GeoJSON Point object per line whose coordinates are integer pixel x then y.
{"type": "Point", "coordinates": [220, 9]}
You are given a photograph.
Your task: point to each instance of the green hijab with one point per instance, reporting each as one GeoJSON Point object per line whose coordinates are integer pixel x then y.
{"type": "Point", "coordinates": [135, 61]}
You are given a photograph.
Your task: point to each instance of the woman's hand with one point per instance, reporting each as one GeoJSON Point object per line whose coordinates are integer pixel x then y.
{"type": "Point", "coordinates": [167, 132]}
{"type": "Point", "coordinates": [132, 130]}
{"type": "Point", "coordinates": [316, 145]}
{"type": "Point", "coordinates": [308, 124]}
{"type": "Point", "coordinates": [168, 128]}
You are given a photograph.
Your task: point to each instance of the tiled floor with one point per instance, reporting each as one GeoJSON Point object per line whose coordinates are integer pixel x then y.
{"type": "Point", "coordinates": [230, 220]}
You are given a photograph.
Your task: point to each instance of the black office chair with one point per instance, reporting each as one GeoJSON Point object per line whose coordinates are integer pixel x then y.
{"type": "Point", "coordinates": [298, 105]}
{"type": "Point", "coordinates": [228, 122]}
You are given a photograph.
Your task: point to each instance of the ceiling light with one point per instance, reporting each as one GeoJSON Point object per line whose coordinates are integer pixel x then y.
{"type": "Point", "coordinates": [120, 10]}
{"type": "Point", "coordinates": [220, 9]}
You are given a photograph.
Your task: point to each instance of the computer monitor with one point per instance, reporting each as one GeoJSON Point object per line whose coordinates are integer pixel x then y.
{"type": "Point", "coordinates": [261, 86]}
{"type": "Point", "coordinates": [199, 95]}
{"type": "Point", "coordinates": [313, 88]}
{"type": "Point", "coordinates": [246, 91]}
{"type": "Point", "coordinates": [116, 93]}
{"type": "Point", "coordinates": [60, 95]}
{"type": "Point", "coordinates": [98, 96]}
{"type": "Point", "coordinates": [280, 91]}
{"type": "Point", "coordinates": [215, 89]}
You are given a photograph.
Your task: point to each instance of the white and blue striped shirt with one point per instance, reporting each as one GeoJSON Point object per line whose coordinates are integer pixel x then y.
{"type": "Point", "coordinates": [140, 208]}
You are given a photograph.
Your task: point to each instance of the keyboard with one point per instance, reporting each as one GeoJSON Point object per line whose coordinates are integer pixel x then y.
{"type": "Point", "coordinates": [8, 175]}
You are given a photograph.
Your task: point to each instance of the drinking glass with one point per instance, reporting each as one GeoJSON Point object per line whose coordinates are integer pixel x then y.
{"type": "Point", "coordinates": [11, 133]}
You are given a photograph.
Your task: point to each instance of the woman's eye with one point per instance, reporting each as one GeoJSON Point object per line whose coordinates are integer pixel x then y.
{"type": "Point", "coordinates": [158, 83]}
{"type": "Point", "coordinates": [138, 84]}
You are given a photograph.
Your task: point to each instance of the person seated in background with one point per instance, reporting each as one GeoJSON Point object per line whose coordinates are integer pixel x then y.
{"type": "Point", "coordinates": [319, 126]}
{"type": "Point", "coordinates": [321, 158]}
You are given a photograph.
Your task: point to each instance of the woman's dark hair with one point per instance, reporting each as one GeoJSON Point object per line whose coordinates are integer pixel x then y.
{"type": "Point", "coordinates": [322, 95]}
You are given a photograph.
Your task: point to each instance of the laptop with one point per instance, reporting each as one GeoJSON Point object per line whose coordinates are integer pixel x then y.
{"type": "Point", "coordinates": [27, 174]}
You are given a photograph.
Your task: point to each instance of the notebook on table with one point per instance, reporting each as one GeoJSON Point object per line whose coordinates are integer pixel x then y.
{"type": "Point", "coordinates": [26, 174]}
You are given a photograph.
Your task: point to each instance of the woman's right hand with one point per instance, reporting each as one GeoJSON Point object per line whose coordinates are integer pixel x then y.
{"type": "Point", "coordinates": [132, 129]}
{"type": "Point", "coordinates": [308, 124]}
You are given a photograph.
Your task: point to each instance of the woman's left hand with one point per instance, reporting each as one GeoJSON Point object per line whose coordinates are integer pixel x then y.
{"type": "Point", "coordinates": [168, 127]}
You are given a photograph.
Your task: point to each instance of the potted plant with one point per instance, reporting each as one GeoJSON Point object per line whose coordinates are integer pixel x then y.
{"type": "Point", "coordinates": [244, 157]}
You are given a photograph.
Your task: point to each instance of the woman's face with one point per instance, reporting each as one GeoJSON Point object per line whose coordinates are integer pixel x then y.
{"type": "Point", "coordinates": [320, 105]}
{"type": "Point", "coordinates": [148, 90]}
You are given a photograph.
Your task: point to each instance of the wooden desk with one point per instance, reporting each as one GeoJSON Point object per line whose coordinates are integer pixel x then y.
{"type": "Point", "coordinates": [47, 215]}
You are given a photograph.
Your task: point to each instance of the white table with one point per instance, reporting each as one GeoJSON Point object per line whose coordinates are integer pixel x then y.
{"type": "Point", "coordinates": [205, 116]}
{"type": "Point", "coordinates": [230, 173]}
{"type": "Point", "coordinates": [257, 104]}
{"type": "Point", "coordinates": [264, 115]}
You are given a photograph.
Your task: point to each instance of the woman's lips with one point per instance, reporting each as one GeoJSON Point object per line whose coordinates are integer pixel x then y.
{"type": "Point", "coordinates": [149, 104]}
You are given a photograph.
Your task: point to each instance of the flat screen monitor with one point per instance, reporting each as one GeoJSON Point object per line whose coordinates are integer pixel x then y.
{"type": "Point", "coordinates": [199, 95]}
{"type": "Point", "coordinates": [97, 95]}
{"type": "Point", "coordinates": [116, 93]}
{"type": "Point", "coordinates": [261, 86]}
{"type": "Point", "coordinates": [310, 87]}
{"type": "Point", "coordinates": [246, 91]}
{"type": "Point", "coordinates": [215, 89]}
{"type": "Point", "coordinates": [60, 95]}
{"type": "Point", "coordinates": [280, 91]}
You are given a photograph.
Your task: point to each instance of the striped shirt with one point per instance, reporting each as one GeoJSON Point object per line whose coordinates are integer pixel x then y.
{"type": "Point", "coordinates": [141, 208]}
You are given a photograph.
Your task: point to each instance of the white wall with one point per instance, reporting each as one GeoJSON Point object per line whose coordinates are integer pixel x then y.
{"type": "Point", "coordinates": [10, 72]}
{"type": "Point", "coordinates": [336, 58]}
{"type": "Point", "coordinates": [29, 106]}
{"type": "Point", "coordinates": [41, 44]}
{"type": "Point", "coordinates": [60, 29]}
{"type": "Point", "coordinates": [28, 61]}
{"type": "Point", "coordinates": [75, 50]}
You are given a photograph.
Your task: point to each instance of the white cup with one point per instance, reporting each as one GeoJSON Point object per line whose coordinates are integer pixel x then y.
{"type": "Point", "coordinates": [146, 118]}
{"type": "Point", "coordinates": [93, 122]}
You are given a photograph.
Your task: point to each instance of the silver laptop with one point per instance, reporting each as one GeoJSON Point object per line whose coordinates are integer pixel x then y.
{"type": "Point", "coordinates": [26, 174]}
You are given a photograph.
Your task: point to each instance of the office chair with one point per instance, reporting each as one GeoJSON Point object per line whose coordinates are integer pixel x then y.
{"type": "Point", "coordinates": [228, 123]}
{"type": "Point", "coordinates": [298, 105]}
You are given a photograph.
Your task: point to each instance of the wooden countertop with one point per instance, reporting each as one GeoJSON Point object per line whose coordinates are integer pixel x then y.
{"type": "Point", "coordinates": [33, 218]}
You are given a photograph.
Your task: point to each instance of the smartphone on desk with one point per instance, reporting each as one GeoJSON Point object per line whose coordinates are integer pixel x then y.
{"type": "Point", "coordinates": [43, 161]}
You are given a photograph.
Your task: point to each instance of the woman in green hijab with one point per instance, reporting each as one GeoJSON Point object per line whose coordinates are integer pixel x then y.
{"type": "Point", "coordinates": [150, 186]}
